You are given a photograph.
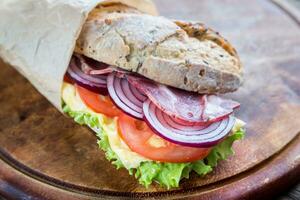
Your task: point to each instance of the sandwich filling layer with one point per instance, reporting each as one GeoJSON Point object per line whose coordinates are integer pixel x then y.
{"type": "Point", "coordinates": [145, 170]}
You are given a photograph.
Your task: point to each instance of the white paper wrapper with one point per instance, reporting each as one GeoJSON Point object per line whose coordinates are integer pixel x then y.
{"type": "Point", "coordinates": [38, 37]}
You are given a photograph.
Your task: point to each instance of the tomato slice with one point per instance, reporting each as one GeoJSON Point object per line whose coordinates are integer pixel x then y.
{"type": "Point", "coordinates": [97, 102]}
{"type": "Point", "coordinates": [68, 79]}
{"type": "Point", "coordinates": [140, 139]}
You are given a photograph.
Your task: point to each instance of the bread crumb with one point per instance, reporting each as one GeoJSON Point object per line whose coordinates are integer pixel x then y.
{"type": "Point", "coordinates": [202, 72]}
{"type": "Point", "coordinates": [108, 21]}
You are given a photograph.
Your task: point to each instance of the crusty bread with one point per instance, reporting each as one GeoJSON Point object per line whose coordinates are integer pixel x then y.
{"type": "Point", "coordinates": [180, 54]}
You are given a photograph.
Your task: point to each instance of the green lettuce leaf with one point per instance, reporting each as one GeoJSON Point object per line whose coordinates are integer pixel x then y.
{"type": "Point", "coordinates": [223, 150]}
{"type": "Point", "coordinates": [166, 174]}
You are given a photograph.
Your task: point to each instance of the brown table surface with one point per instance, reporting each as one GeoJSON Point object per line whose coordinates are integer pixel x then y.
{"type": "Point", "coordinates": [291, 7]}
{"type": "Point", "coordinates": [268, 41]}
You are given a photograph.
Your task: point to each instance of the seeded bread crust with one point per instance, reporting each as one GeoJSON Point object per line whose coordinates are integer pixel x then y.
{"type": "Point", "coordinates": [185, 55]}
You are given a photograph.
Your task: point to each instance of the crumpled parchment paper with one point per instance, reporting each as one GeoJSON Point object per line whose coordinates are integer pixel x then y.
{"type": "Point", "coordinates": [38, 37]}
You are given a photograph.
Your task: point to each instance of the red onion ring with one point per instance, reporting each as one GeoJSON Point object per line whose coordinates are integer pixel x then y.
{"type": "Point", "coordinates": [95, 83]}
{"type": "Point", "coordinates": [201, 136]}
{"type": "Point", "coordinates": [125, 96]}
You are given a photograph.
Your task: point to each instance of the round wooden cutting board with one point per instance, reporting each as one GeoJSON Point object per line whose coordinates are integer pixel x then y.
{"type": "Point", "coordinates": [45, 155]}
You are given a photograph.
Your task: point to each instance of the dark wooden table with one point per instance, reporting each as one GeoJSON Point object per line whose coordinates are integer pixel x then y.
{"type": "Point", "coordinates": [45, 155]}
{"type": "Point", "coordinates": [291, 194]}
{"type": "Point", "coordinates": [292, 8]}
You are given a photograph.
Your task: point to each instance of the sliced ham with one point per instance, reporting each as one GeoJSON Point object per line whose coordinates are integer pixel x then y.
{"type": "Point", "coordinates": [217, 108]}
{"type": "Point", "coordinates": [119, 72]}
{"type": "Point", "coordinates": [107, 70]}
{"type": "Point", "coordinates": [88, 65]}
{"type": "Point", "coordinates": [187, 106]}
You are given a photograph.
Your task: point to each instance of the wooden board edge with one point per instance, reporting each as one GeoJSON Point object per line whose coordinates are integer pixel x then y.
{"type": "Point", "coordinates": [266, 179]}
{"type": "Point", "coordinates": [289, 9]}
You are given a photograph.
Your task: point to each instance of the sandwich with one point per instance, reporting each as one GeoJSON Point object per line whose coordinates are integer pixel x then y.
{"type": "Point", "coordinates": [152, 91]}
